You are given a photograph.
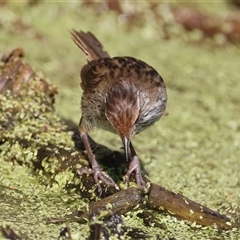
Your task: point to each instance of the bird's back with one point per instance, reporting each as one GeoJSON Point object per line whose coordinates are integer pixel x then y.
{"type": "Point", "coordinates": [108, 71]}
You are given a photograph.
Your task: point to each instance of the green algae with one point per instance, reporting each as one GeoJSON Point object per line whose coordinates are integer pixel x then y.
{"type": "Point", "coordinates": [193, 150]}
{"type": "Point", "coordinates": [25, 205]}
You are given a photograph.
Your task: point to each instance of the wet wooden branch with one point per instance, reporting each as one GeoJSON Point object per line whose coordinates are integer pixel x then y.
{"type": "Point", "coordinates": [8, 233]}
{"type": "Point", "coordinates": [183, 208]}
{"type": "Point", "coordinates": [161, 200]}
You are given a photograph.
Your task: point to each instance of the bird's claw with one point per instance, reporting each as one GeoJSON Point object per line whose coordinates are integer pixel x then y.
{"type": "Point", "coordinates": [101, 176]}
{"type": "Point", "coordinates": [134, 166]}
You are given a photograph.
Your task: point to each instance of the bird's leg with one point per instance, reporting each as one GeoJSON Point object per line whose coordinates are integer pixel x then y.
{"type": "Point", "coordinates": [98, 174]}
{"type": "Point", "coordinates": [135, 166]}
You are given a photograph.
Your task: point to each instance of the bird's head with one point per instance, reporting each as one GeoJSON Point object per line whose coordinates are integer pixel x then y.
{"type": "Point", "coordinates": [122, 110]}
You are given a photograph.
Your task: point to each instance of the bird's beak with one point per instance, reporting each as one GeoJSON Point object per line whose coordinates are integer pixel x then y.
{"type": "Point", "coordinates": [126, 147]}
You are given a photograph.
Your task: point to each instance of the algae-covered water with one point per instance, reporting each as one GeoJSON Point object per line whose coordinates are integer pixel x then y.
{"type": "Point", "coordinates": [194, 149]}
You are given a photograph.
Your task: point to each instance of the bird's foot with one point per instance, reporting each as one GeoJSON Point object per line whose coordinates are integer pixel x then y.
{"type": "Point", "coordinates": [100, 176]}
{"type": "Point", "coordinates": [134, 166]}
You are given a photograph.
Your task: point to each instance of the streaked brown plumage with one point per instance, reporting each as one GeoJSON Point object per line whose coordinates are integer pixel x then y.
{"type": "Point", "coordinates": [123, 95]}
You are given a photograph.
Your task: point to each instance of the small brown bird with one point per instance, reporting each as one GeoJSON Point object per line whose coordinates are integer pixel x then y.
{"type": "Point", "coordinates": [123, 95]}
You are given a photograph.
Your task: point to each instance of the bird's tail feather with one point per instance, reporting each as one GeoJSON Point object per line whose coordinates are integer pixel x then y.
{"type": "Point", "coordinates": [89, 44]}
